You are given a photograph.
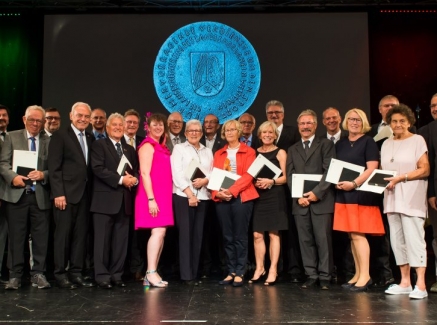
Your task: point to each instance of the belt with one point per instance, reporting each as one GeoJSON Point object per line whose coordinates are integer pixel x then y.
{"type": "Point", "coordinates": [29, 191]}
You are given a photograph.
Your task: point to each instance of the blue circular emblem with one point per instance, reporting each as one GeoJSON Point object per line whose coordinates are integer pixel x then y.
{"type": "Point", "coordinates": [207, 68]}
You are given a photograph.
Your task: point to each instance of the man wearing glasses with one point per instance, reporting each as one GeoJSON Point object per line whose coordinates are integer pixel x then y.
{"type": "Point", "coordinates": [248, 137]}
{"type": "Point", "coordinates": [175, 124]}
{"type": "Point", "coordinates": [211, 135]}
{"type": "Point", "coordinates": [98, 121]}
{"type": "Point", "coordinates": [27, 199]}
{"type": "Point", "coordinates": [288, 134]}
{"type": "Point", "coordinates": [131, 126]}
{"type": "Point", "coordinates": [53, 121]}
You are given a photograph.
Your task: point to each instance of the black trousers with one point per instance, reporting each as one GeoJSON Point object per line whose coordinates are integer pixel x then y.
{"type": "Point", "coordinates": [315, 240]}
{"type": "Point", "coordinates": [3, 232]}
{"type": "Point", "coordinates": [189, 221]}
{"type": "Point", "coordinates": [19, 215]}
{"type": "Point", "coordinates": [71, 229]}
{"type": "Point", "coordinates": [234, 217]}
{"type": "Point", "coordinates": [110, 245]}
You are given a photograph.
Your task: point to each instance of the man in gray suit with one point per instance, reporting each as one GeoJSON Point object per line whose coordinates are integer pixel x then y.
{"type": "Point", "coordinates": [27, 199]}
{"type": "Point", "coordinates": [175, 124]}
{"type": "Point", "coordinates": [313, 211]}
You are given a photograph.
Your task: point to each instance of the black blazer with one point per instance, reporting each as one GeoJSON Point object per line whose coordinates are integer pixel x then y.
{"type": "Point", "coordinates": [108, 196]}
{"type": "Point", "coordinates": [256, 142]}
{"type": "Point", "coordinates": [69, 173]}
{"type": "Point", "coordinates": [218, 143]}
{"type": "Point", "coordinates": [317, 161]}
{"type": "Point", "coordinates": [289, 136]}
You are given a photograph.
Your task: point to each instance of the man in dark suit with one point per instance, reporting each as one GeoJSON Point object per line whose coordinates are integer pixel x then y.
{"type": "Point", "coordinates": [332, 122]}
{"type": "Point", "coordinates": [53, 121]}
{"type": "Point", "coordinates": [213, 254]}
{"type": "Point", "coordinates": [288, 135]}
{"type": "Point", "coordinates": [380, 245]}
{"type": "Point", "coordinates": [98, 122]}
{"type": "Point", "coordinates": [27, 203]}
{"type": "Point", "coordinates": [4, 122]}
{"type": "Point", "coordinates": [314, 210]}
{"type": "Point", "coordinates": [70, 180]}
{"type": "Point", "coordinates": [138, 238]}
{"type": "Point", "coordinates": [248, 123]}
{"type": "Point", "coordinates": [432, 208]}
{"type": "Point", "coordinates": [112, 202]}
{"type": "Point", "coordinates": [175, 125]}
{"type": "Point", "coordinates": [211, 135]}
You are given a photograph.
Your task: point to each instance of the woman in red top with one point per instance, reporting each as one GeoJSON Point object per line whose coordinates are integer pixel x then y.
{"type": "Point", "coordinates": [234, 204]}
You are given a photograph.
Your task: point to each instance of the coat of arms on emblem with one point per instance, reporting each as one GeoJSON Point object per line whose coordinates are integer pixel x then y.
{"type": "Point", "coordinates": [207, 72]}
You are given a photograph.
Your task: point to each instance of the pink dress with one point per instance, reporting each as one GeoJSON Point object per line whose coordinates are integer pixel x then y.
{"type": "Point", "coordinates": [162, 185]}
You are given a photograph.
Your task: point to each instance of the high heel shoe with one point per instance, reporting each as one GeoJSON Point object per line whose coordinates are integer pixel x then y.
{"type": "Point", "coordinates": [271, 283]}
{"type": "Point", "coordinates": [363, 288]}
{"type": "Point", "coordinates": [229, 281]}
{"type": "Point", "coordinates": [259, 279]}
{"type": "Point", "coordinates": [348, 285]}
{"type": "Point", "coordinates": [148, 283]}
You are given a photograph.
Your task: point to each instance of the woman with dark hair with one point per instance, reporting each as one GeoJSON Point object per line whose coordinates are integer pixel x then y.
{"type": "Point", "coordinates": [153, 202]}
{"type": "Point", "coordinates": [235, 204]}
{"type": "Point", "coordinates": [357, 212]}
{"type": "Point", "coordinates": [405, 199]}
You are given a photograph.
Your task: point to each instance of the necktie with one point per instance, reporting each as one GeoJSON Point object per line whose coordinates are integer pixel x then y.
{"type": "Point", "coordinates": [82, 144]}
{"type": "Point", "coordinates": [383, 124]}
{"type": "Point", "coordinates": [32, 144]}
{"type": "Point", "coordinates": [3, 134]}
{"type": "Point", "coordinates": [100, 136]}
{"type": "Point", "coordinates": [333, 139]}
{"type": "Point", "coordinates": [306, 146]}
{"type": "Point", "coordinates": [32, 148]}
{"type": "Point", "coordinates": [175, 140]}
{"type": "Point", "coordinates": [246, 141]}
{"type": "Point", "coordinates": [119, 152]}
{"type": "Point", "coordinates": [131, 141]}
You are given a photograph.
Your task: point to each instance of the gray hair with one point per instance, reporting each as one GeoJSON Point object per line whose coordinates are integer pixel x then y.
{"type": "Point", "coordinates": [80, 104]}
{"type": "Point", "coordinates": [113, 116]}
{"type": "Point", "coordinates": [274, 103]}
{"type": "Point", "coordinates": [307, 112]}
{"type": "Point", "coordinates": [193, 122]}
{"type": "Point", "coordinates": [388, 97]}
{"type": "Point", "coordinates": [35, 108]}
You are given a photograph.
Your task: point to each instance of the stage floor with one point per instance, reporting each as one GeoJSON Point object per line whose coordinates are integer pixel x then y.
{"type": "Point", "coordinates": [210, 303]}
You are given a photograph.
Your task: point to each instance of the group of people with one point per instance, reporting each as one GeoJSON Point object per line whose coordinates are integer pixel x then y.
{"type": "Point", "coordinates": [118, 176]}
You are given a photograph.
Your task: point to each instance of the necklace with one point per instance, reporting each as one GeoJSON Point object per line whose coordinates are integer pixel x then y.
{"type": "Point", "coordinates": [229, 147]}
{"type": "Point", "coordinates": [352, 142]}
{"type": "Point", "coordinates": [393, 151]}
{"type": "Point", "coordinates": [265, 150]}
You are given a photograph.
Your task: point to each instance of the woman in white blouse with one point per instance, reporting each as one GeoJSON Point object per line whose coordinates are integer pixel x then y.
{"type": "Point", "coordinates": [190, 198]}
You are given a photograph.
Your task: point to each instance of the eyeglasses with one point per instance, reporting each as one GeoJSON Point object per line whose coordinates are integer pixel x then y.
{"type": "Point", "coordinates": [354, 120]}
{"type": "Point", "coordinates": [230, 130]}
{"type": "Point", "coordinates": [274, 112]}
{"type": "Point", "coordinates": [246, 122]}
{"type": "Point", "coordinates": [306, 123]}
{"type": "Point", "coordinates": [32, 120]}
{"type": "Point", "coordinates": [176, 122]}
{"type": "Point", "coordinates": [194, 131]}
{"type": "Point", "coordinates": [432, 105]}
{"type": "Point", "coordinates": [53, 118]}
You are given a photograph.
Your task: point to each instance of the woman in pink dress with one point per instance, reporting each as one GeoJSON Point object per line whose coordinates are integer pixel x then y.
{"type": "Point", "coordinates": [153, 202]}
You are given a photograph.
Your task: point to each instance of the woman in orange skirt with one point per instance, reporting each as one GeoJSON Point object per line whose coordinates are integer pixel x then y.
{"type": "Point", "coordinates": [357, 212]}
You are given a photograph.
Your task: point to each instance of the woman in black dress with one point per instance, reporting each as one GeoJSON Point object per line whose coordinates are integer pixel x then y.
{"type": "Point", "coordinates": [270, 210]}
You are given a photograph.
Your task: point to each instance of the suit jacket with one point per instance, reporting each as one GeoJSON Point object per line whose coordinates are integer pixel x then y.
{"type": "Point", "coordinates": [18, 140]}
{"type": "Point", "coordinates": [319, 157]}
{"type": "Point", "coordinates": [429, 133]}
{"type": "Point", "coordinates": [169, 143]}
{"type": "Point", "coordinates": [289, 136]}
{"type": "Point", "coordinates": [108, 196]}
{"type": "Point", "coordinates": [218, 143]}
{"type": "Point", "coordinates": [256, 143]}
{"type": "Point", "coordinates": [138, 140]}
{"type": "Point", "coordinates": [69, 173]}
